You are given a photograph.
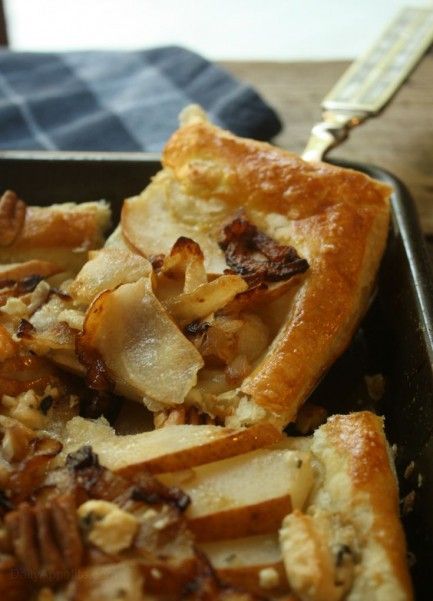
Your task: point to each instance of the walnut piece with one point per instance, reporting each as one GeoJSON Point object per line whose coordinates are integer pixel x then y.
{"type": "Point", "coordinates": [12, 217]}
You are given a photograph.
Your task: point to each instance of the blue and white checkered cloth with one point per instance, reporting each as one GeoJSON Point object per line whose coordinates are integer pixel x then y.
{"type": "Point", "coordinates": [118, 101]}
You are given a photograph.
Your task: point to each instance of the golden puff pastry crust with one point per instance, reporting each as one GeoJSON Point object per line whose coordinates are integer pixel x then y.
{"type": "Point", "coordinates": [60, 233]}
{"type": "Point", "coordinates": [336, 218]}
{"type": "Point", "coordinates": [350, 531]}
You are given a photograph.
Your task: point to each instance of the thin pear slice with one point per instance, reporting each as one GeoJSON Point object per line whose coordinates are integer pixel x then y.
{"type": "Point", "coordinates": [205, 299]}
{"type": "Point", "coordinates": [146, 355]}
{"type": "Point", "coordinates": [261, 295]}
{"type": "Point", "coordinates": [180, 271]}
{"type": "Point", "coordinates": [168, 449]}
{"type": "Point", "coordinates": [107, 269]}
{"type": "Point", "coordinates": [253, 563]}
{"type": "Point", "coordinates": [244, 495]}
{"type": "Point", "coordinates": [185, 260]}
{"type": "Point", "coordinates": [154, 220]}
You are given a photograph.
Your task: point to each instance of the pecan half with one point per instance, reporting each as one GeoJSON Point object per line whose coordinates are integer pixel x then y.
{"type": "Point", "coordinates": [12, 217]}
{"type": "Point", "coordinates": [46, 539]}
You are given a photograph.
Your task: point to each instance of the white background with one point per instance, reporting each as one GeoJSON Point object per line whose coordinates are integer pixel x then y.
{"type": "Point", "coordinates": [218, 29]}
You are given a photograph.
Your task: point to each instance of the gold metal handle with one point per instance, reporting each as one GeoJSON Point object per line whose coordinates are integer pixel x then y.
{"type": "Point", "coordinates": [371, 81]}
{"type": "Point", "coordinates": [331, 132]}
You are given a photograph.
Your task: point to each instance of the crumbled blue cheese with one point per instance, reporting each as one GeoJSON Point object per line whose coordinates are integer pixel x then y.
{"type": "Point", "coordinates": [108, 527]}
{"type": "Point", "coordinates": [268, 578]}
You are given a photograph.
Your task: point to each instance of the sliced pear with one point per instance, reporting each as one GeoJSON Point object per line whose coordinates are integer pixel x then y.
{"type": "Point", "coordinates": [253, 563]}
{"type": "Point", "coordinates": [94, 583]}
{"type": "Point", "coordinates": [153, 221]}
{"type": "Point", "coordinates": [146, 355]}
{"type": "Point", "coordinates": [244, 495]}
{"type": "Point", "coordinates": [137, 580]}
{"type": "Point", "coordinates": [107, 269]}
{"type": "Point", "coordinates": [262, 294]}
{"type": "Point", "coordinates": [181, 271]}
{"type": "Point", "coordinates": [186, 259]}
{"type": "Point", "coordinates": [205, 299]}
{"type": "Point", "coordinates": [167, 449]}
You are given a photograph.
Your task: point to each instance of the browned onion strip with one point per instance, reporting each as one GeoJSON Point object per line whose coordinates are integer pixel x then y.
{"type": "Point", "coordinates": [256, 256]}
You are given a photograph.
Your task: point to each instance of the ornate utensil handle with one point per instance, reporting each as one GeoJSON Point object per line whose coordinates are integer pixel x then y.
{"type": "Point", "coordinates": [371, 81]}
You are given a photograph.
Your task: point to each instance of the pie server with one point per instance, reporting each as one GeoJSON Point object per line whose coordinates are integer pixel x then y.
{"type": "Point", "coordinates": [371, 81]}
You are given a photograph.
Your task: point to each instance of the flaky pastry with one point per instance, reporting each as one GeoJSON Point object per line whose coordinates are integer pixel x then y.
{"type": "Point", "coordinates": [307, 238]}
{"type": "Point", "coordinates": [60, 233]}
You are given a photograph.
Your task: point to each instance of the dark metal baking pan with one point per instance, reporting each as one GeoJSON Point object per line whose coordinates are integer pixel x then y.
{"type": "Point", "coordinates": [395, 338]}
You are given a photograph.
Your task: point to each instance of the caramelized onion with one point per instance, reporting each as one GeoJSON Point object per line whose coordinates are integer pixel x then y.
{"type": "Point", "coordinates": [256, 256]}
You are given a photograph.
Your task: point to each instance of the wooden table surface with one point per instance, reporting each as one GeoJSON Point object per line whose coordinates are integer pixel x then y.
{"type": "Point", "coordinates": [399, 140]}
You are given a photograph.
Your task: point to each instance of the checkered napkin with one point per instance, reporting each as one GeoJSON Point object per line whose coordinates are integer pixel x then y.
{"type": "Point", "coordinates": [118, 100]}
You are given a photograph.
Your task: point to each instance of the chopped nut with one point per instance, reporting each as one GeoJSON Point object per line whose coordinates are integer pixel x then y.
{"type": "Point", "coordinates": [25, 408]}
{"type": "Point", "coordinates": [12, 217]}
{"type": "Point", "coordinates": [15, 307]}
{"type": "Point", "coordinates": [109, 527]}
{"type": "Point", "coordinates": [45, 539]}
{"type": "Point", "coordinates": [15, 441]}
{"type": "Point", "coordinates": [170, 417]}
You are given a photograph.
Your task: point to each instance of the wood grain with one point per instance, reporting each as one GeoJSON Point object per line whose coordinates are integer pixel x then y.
{"type": "Point", "coordinates": [399, 140]}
